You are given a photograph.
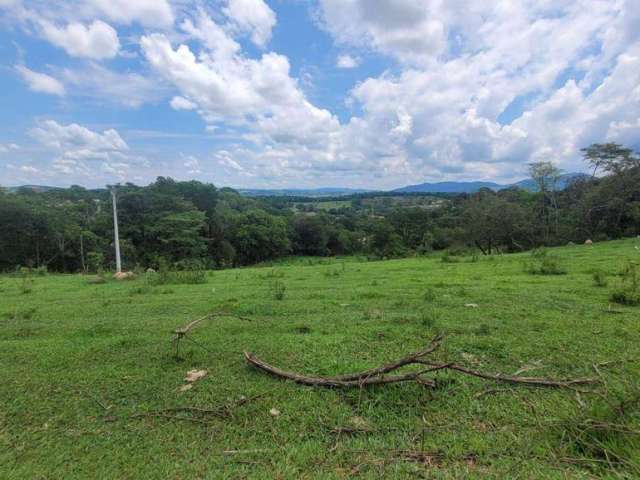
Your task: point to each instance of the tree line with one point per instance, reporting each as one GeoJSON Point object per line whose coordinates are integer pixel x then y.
{"type": "Point", "coordinates": [196, 225]}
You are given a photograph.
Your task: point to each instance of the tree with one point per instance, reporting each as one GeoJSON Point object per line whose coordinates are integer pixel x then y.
{"type": "Point", "coordinates": [258, 236]}
{"type": "Point", "coordinates": [546, 176]}
{"type": "Point", "coordinates": [610, 157]}
{"type": "Point", "coordinates": [310, 235]}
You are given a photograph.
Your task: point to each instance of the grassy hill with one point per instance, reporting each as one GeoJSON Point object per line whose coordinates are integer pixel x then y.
{"type": "Point", "coordinates": [80, 361]}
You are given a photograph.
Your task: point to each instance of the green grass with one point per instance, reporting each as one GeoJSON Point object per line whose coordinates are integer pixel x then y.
{"type": "Point", "coordinates": [79, 359]}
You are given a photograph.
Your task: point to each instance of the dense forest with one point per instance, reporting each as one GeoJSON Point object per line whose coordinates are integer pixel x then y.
{"type": "Point", "coordinates": [196, 225]}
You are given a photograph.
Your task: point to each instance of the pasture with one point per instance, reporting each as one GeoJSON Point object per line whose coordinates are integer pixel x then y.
{"type": "Point", "coordinates": [89, 373]}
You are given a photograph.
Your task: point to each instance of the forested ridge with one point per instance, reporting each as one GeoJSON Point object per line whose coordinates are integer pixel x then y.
{"type": "Point", "coordinates": [196, 225]}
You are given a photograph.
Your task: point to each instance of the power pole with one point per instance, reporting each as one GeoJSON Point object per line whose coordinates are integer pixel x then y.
{"type": "Point", "coordinates": [115, 230]}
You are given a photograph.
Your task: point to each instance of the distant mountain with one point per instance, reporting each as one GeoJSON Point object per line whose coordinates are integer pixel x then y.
{"type": "Point", "coordinates": [449, 187]}
{"type": "Point", "coordinates": [300, 192]}
{"type": "Point", "coordinates": [472, 187]}
{"type": "Point", "coordinates": [34, 188]}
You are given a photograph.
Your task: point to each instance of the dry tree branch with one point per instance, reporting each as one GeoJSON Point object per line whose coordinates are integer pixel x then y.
{"type": "Point", "coordinates": [336, 382]}
{"type": "Point", "coordinates": [377, 376]}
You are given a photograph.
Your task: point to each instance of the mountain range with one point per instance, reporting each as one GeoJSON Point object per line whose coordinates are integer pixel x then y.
{"type": "Point", "coordinates": [438, 187]}
{"type": "Point", "coordinates": [471, 187]}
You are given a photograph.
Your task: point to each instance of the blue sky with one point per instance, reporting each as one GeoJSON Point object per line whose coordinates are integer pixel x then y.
{"type": "Point", "coordinates": [309, 93]}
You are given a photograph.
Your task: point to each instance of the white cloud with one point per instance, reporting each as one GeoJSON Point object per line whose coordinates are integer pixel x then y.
{"type": "Point", "coordinates": [407, 29]}
{"type": "Point", "coordinates": [230, 88]}
{"type": "Point", "coordinates": [181, 103]}
{"type": "Point", "coordinates": [192, 164]}
{"type": "Point", "coordinates": [253, 17]}
{"type": "Point", "coordinates": [4, 148]}
{"type": "Point", "coordinates": [82, 152]}
{"type": "Point", "coordinates": [130, 89]}
{"type": "Point", "coordinates": [150, 13]}
{"type": "Point", "coordinates": [98, 41]}
{"type": "Point", "coordinates": [40, 82]}
{"type": "Point", "coordinates": [347, 61]}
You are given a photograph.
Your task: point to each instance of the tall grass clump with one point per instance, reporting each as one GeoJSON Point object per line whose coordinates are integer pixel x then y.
{"type": "Point", "coordinates": [628, 291]}
{"type": "Point", "coordinates": [278, 289]}
{"type": "Point", "coordinates": [605, 436]}
{"type": "Point", "coordinates": [599, 278]}
{"type": "Point", "coordinates": [541, 262]}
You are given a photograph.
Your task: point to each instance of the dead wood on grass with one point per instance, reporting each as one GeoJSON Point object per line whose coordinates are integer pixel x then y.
{"type": "Point", "coordinates": [379, 375]}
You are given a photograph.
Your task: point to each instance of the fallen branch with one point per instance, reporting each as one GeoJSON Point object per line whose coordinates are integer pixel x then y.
{"type": "Point", "coordinates": [378, 375]}
{"type": "Point", "coordinates": [337, 382]}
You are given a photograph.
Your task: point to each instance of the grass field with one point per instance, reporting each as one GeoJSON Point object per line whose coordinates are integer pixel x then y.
{"type": "Point", "coordinates": [79, 360]}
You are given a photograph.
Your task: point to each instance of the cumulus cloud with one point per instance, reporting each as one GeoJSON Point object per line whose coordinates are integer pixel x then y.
{"type": "Point", "coordinates": [81, 151]}
{"type": "Point", "coordinates": [347, 61]}
{"type": "Point", "coordinates": [98, 40]}
{"type": "Point", "coordinates": [40, 82]}
{"type": "Point", "coordinates": [407, 29]}
{"type": "Point", "coordinates": [253, 17]}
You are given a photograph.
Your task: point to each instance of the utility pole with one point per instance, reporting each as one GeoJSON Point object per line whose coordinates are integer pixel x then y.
{"type": "Point", "coordinates": [115, 230]}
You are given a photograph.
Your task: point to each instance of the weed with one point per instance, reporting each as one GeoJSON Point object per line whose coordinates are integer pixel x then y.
{"type": "Point", "coordinates": [429, 295]}
{"type": "Point", "coordinates": [599, 278]}
{"type": "Point", "coordinates": [628, 292]}
{"type": "Point", "coordinates": [278, 290]}
{"type": "Point", "coordinates": [542, 262]}
{"type": "Point", "coordinates": [428, 318]}
{"type": "Point", "coordinates": [604, 436]}
{"type": "Point", "coordinates": [482, 330]}
{"type": "Point", "coordinates": [26, 285]}
{"type": "Point", "coordinates": [448, 258]}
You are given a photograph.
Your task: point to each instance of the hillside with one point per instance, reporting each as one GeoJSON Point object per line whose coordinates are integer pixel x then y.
{"type": "Point", "coordinates": [89, 372]}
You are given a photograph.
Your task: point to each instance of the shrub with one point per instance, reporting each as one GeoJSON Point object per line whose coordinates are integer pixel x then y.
{"type": "Point", "coordinates": [191, 274]}
{"type": "Point", "coordinates": [543, 263]}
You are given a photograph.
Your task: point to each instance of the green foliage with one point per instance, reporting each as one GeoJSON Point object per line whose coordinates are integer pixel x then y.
{"type": "Point", "coordinates": [541, 262]}
{"type": "Point", "coordinates": [185, 273]}
{"type": "Point", "coordinates": [71, 230]}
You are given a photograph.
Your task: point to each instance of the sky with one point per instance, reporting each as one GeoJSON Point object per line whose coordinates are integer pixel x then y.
{"type": "Point", "coordinates": [311, 93]}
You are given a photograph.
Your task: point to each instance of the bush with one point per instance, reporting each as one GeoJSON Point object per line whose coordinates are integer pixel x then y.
{"type": "Point", "coordinates": [191, 273]}
{"type": "Point", "coordinates": [543, 263]}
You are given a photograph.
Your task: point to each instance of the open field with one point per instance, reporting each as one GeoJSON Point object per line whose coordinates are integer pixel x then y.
{"type": "Point", "coordinates": [79, 360]}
